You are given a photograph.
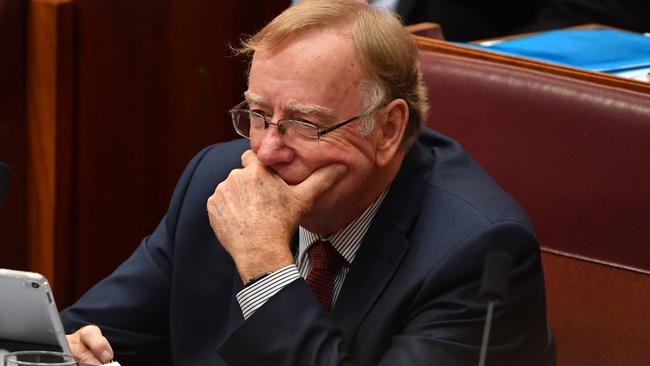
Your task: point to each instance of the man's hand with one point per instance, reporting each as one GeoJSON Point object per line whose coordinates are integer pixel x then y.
{"type": "Point", "coordinates": [89, 346]}
{"type": "Point", "coordinates": [254, 213]}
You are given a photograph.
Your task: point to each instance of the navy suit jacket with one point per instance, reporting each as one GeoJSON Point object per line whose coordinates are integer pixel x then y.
{"type": "Point", "coordinates": [411, 296]}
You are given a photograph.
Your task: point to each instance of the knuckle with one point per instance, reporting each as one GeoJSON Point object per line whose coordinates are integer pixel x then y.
{"type": "Point", "coordinates": [90, 334]}
{"type": "Point", "coordinates": [221, 187]}
{"type": "Point", "coordinates": [212, 200]}
{"type": "Point", "coordinates": [85, 331]}
{"type": "Point", "coordinates": [234, 175]}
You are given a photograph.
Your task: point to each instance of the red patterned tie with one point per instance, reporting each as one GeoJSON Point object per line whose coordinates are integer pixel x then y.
{"type": "Point", "coordinates": [325, 264]}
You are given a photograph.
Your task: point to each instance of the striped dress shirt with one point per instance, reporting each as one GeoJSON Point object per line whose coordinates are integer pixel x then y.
{"type": "Point", "coordinates": [346, 241]}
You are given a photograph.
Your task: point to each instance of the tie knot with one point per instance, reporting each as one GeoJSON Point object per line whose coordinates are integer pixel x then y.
{"type": "Point", "coordinates": [323, 256]}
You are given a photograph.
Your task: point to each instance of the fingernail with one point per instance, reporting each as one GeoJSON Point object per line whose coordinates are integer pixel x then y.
{"type": "Point", "coordinates": [106, 357]}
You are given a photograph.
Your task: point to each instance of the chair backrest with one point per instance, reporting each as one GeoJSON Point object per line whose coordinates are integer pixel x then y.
{"type": "Point", "coordinates": [576, 155]}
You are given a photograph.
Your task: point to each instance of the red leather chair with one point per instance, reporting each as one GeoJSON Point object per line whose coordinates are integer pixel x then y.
{"type": "Point", "coordinates": [576, 155]}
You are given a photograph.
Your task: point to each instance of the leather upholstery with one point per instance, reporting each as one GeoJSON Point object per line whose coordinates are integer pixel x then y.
{"type": "Point", "coordinates": [575, 154]}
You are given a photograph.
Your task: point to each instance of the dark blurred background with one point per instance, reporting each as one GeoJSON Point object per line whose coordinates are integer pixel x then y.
{"type": "Point", "coordinates": [470, 20]}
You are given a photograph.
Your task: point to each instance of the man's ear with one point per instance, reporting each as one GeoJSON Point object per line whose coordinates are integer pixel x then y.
{"type": "Point", "coordinates": [391, 126]}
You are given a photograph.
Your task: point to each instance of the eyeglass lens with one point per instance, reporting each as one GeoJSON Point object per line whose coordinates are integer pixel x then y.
{"type": "Point", "coordinates": [251, 125]}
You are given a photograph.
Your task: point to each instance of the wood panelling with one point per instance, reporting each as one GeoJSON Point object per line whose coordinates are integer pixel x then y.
{"type": "Point", "coordinates": [154, 82]}
{"type": "Point", "coordinates": [121, 112]}
{"type": "Point", "coordinates": [50, 51]}
{"type": "Point", "coordinates": [13, 131]}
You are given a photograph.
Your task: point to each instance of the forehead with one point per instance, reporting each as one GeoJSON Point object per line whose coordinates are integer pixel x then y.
{"type": "Point", "coordinates": [319, 67]}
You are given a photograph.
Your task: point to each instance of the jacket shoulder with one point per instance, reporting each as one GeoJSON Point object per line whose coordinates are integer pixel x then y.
{"type": "Point", "coordinates": [462, 186]}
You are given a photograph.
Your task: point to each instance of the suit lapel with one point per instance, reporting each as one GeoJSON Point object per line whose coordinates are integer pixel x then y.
{"type": "Point", "coordinates": [374, 266]}
{"type": "Point", "coordinates": [385, 244]}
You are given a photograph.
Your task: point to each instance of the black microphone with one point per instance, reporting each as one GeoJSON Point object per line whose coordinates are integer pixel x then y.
{"type": "Point", "coordinates": [5, 172]}
{"type": "Point", "coordinates": [494, 287]}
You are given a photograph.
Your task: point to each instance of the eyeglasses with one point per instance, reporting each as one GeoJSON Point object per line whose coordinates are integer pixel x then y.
{"type": "Point", "coordinates": [252, 125]}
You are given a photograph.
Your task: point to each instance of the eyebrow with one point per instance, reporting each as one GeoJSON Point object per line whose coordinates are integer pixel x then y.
{"type": "Point", "coordinates": [295, 107]}
{"type": "Point", "coordinates": [254, 98]}
{"type": "Point", "coordinates": [309, 109]}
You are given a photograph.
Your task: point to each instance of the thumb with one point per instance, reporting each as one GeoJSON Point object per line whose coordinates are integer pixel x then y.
{"type": "Point", "coordinates": [320, 181]}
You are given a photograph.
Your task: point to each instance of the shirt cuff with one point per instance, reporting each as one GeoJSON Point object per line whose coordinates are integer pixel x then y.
{"type": "Point", "coordinates": [254, 296]}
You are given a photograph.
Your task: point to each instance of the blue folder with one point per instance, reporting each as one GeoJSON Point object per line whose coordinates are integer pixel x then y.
{"type": "Point", "coordinates": [604, 50]}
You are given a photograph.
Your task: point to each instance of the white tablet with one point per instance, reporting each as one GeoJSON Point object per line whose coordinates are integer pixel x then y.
{"type": "Point", "coordinates": [28, 313]}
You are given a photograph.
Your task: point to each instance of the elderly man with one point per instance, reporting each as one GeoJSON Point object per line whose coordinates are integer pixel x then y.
{"type": "Point", "coordinates": [341, 233]}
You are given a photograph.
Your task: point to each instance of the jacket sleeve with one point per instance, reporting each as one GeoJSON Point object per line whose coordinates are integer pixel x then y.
{"type": "Point", "coordinates": [131, 305]}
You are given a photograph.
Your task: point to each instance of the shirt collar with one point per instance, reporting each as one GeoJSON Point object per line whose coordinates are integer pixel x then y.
{"type": "Point", "coordinates": [347, 240]}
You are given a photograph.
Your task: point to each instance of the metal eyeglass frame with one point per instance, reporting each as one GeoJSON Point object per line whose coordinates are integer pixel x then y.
{"type": "Point", "coordinates": [319, 131]}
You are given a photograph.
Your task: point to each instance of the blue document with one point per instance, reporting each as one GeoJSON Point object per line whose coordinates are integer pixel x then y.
{"type": "Point", "coordinates": [603, 50]}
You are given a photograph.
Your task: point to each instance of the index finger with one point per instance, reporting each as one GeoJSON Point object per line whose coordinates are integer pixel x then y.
{"type": "Point", "coordinates": [320, 181]}
{"type": "Point", "coordinates": [249, 158]}
{"type": "Point", "coordinates": [92, 338]}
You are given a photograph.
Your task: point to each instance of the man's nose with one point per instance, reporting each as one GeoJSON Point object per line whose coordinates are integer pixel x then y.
{"type": "Point", "coordinates": [272, 148]}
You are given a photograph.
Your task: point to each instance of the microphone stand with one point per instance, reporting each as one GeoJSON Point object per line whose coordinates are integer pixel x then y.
{"type": "Point", "coordinates": [494, 286]}
{"type": "Point", "coordinates": [486, 332]}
